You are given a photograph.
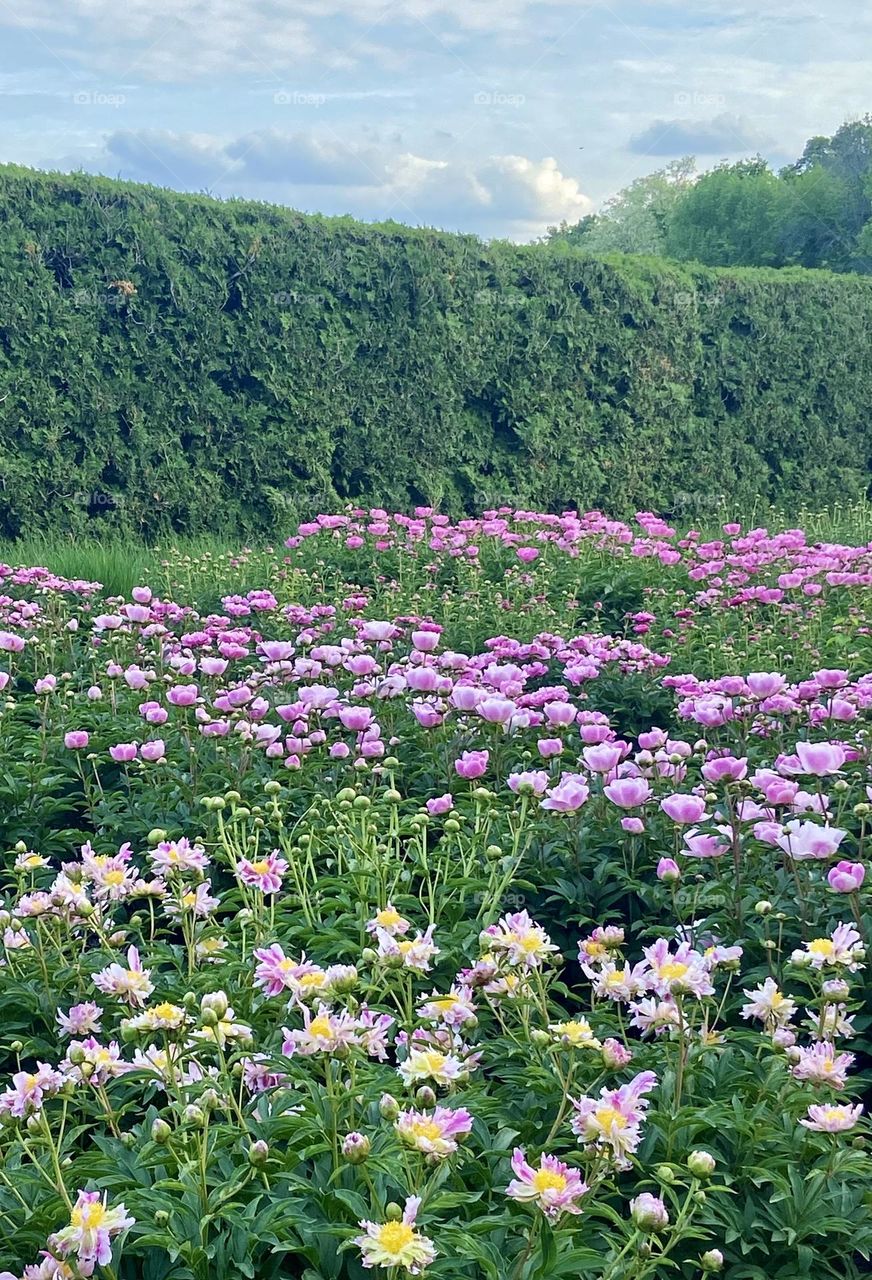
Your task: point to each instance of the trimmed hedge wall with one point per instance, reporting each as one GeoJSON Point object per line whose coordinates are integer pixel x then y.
{"type": "Point", "coordinates": [174, 361]}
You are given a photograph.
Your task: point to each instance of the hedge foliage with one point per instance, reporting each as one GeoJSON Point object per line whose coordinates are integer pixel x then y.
{"type": "Point", "coordinates": [177, 362]}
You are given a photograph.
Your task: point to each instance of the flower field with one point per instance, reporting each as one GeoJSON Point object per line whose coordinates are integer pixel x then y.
{"type": "Point", "coordinates": [483, 900]}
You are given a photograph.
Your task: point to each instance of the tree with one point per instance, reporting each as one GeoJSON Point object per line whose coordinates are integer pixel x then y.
{"type": "Point", "coordinates": [635, 220]}
{"type": "Point", "coordinates": [848, 156]}
{"type": "Point", "coordinates": [812, 226]}
{"type": "Point", "coordinates": [729, 217]}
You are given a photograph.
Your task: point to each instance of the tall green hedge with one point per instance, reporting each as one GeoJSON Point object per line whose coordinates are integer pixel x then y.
{"type": "Point", "coordinates": [174, 361]}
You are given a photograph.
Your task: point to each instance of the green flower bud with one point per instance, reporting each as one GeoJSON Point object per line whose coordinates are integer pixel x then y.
{"type": "Point", "coordinates": [701, 1164]}
{"type": "Point", "coordinates": [356, 1147]}
{"type": "Point", "coordinates": [388, 1107]}
{"type": "Point", "coordinates": [160, 1131]}
{"type": "Point", "coordinates": [649, 1213]}
{"type": "Point", "coordinates": [216, 1001]}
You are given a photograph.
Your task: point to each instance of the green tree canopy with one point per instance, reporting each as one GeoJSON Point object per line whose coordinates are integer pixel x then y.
{"type": "Point", "coordinates": [636, 219]}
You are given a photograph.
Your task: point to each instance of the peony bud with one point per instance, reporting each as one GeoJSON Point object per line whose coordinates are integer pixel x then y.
{"type": "Point", "coordinates": [649, 1213]}
{"type": "Point", "coordinates": [217, 1002]}
{"type": "Point", "coordinates": [356, 1147]}
{"type": "Point", "coordinates": [701, 1164]}
{"type": "Point", "coordinates": [388, 1107]}
{"type": "Point", "coordinates": [615, 1054]}
{"type": "Point", "coordinates": [160, 1131]}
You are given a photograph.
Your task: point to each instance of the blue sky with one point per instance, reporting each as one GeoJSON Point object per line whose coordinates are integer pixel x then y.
{"type": "Point", "coordinates": [498, 117]}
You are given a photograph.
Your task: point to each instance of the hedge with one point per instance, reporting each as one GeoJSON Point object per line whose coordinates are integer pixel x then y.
{"type": "Point", "coordinates": [172, 361]}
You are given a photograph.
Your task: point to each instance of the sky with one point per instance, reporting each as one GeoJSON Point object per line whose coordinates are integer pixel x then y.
{"type": "Point", "coordinates": [498, 117]}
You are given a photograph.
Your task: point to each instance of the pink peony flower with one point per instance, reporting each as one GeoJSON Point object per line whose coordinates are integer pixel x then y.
{"type": "Point", "coordinates": [90, 1231]}
{"type": "Point", "coordinates": [846, 877]}
{"type": "Point", "coordinates": [472, 764]}
{"type": "Point", "coordinates": [806, 840]}
{"type": "Point", "coordinates": [725, 769]}
{"type": "Point", "coordinates": [604, 756]}
{"type": "Point", "coordinates": [568, 795]}
{"type": "Point", "coordinates": [698, 844]}
{"type": "Point", "coordinates": [684, 808]}
{"type": "Point", "coordinates": [820, 758]}
{"type": "Point", "coordinates": [433, 1133]}
{"type": "Point", "coordinates": [832, 1117]}
{"type": "Point", "coordinates": [438, 805]}
{"type": "Point", "coordinates": [555, 1187]}
{"type": "Point", "coordinates": [628, 793]}
{"type": "Point", "coordinates": [264, 874]}
{"type": "Point", "coordinates": [397, 1245]}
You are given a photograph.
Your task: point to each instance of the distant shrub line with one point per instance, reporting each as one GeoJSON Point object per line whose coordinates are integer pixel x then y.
{"type": "Point", "coordinates": [177, 362]}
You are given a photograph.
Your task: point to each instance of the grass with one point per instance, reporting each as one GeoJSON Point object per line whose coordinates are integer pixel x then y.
{"type": "Point", "coordinates": [119, 564]}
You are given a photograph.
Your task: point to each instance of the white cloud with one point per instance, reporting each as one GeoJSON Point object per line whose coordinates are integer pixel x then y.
{"type": "Point", "coordinates": [724, 135]}
{"type": "Point", "coordinates": [180, 40]}
{"type": "Point", "coordinates": [509, 195]}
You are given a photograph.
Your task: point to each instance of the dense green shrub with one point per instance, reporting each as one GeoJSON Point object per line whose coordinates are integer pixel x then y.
{"type": "Point", "coordinates": [172, 361]}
